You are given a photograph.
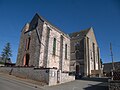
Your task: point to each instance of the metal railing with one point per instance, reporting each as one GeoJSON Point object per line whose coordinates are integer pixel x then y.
{"type": "Point", "coordinates": [116, 75]}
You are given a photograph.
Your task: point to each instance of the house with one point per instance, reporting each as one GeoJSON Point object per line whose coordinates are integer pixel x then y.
{"type": "Point", "coordinates": [7, 62]}
{"type": "Point", "coordinates": [108, 67]}
{"type": "Point", "coordinates": [1, 62]}
{"type": "Point", "coordinates": [85, 53]}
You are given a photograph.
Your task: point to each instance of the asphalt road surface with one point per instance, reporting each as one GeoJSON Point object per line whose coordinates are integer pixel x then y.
{"type": "Point", "coordinates": [10, 83]}
{"type": "Point", "coordinates": [80, 85]}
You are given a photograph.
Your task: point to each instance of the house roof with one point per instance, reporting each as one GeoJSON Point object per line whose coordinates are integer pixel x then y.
{"type": "Point", "coordinates": [89, 32]}
{"type": "Point", "coordinates": [2, 61]}
{"type": "Point", "coordinates": [81, 33]}
{"type": "Point", "coordinates": [108, 66]}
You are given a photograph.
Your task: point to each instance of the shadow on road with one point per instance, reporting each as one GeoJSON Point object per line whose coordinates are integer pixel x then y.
{"type": "Point", "coordinates": [101, 86]}
{"type": "Point", "coordinates": [94, 79]}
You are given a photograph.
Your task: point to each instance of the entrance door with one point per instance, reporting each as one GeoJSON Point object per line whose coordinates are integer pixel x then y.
{"type": "Point", "coordinates": [77, 69]}
{"type": "Point", "coordinates": [27, 60]}
{"type": "Point", "coordinates": [77, 75]}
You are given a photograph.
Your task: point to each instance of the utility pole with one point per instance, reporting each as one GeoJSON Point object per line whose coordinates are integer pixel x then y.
{"type": "Point", "coordinates": [113, 68]}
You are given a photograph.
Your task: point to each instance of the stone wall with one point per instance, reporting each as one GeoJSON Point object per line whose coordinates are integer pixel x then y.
{"type": "Point", "coordinates": [50, 76]}
{"type": "Point", "coordinates": [66, 78]}
{"type": "Point", "coordinates": [33, 32]}
{"type": "Point", "coordinates": [93, 51]}
{"type": "Point", "coordinates": [86, 44]}
{"type": "Point", "coordinates": [58, 60]}
{"type": "Point", "coordinates": [5, 70]}
{"type": "Point", "coordinates": [42, 75]}
{"type": "Point", "coordinates": [39, 36]}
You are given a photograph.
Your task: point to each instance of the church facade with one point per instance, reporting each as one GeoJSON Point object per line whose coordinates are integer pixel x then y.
{"type": "Point", "coordinates": [85, 54]}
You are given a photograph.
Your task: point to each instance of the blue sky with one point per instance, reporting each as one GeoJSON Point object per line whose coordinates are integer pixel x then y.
{"type": "Point", "coordinates": [68, 15]}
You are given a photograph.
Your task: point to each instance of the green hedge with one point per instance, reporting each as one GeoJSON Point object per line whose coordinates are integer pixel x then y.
{"type": "Point", "coordinates": [1, 62]}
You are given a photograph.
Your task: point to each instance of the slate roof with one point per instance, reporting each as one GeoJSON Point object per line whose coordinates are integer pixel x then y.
{"type": "Point", "coordinates": [81, 33]}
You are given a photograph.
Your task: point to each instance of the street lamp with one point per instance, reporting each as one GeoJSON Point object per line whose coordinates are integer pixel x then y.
{"type": "Point", "coordinates": [113, 68]}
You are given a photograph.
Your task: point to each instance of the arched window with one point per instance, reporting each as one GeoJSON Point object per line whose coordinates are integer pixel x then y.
{"type": "Point", "coordinates": [28, 43]}
{"type": "Point", "coordinates": [65, 51]}
{"type": "Point", "coordinates": [77, 54]}
{"type": "Point", "coordinates": [26, 59]}
{"type": "Point", "coordinates": [54, 46]}
{"type": "Point", "coordinates": [77, 46]}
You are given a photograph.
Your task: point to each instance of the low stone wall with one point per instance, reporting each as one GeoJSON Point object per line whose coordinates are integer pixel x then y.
{"type": "Point", "coordinates": [66, 78]}
{"type": "Point", "coordinates": [5, 70]}
{"type": "Point", "coordinates": [31, 73]}
{"type": "Point", "coordinates": [42, 75]}
{"type": "Point", "coordinates": [50, 76]}
{"type": "Point", "coordinates": [114, 84]}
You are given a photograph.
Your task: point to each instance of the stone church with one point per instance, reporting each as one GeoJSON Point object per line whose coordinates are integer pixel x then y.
{"type": "Point", "coordinates": [43, 45]}
{"type": "Point", "coordinates": [85, 53]}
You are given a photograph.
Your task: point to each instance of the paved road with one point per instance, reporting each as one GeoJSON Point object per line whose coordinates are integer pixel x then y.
{"type": "Point", "coordinates": [80, 85]}
{"type": "Point", "coordinates": [11, 83]}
